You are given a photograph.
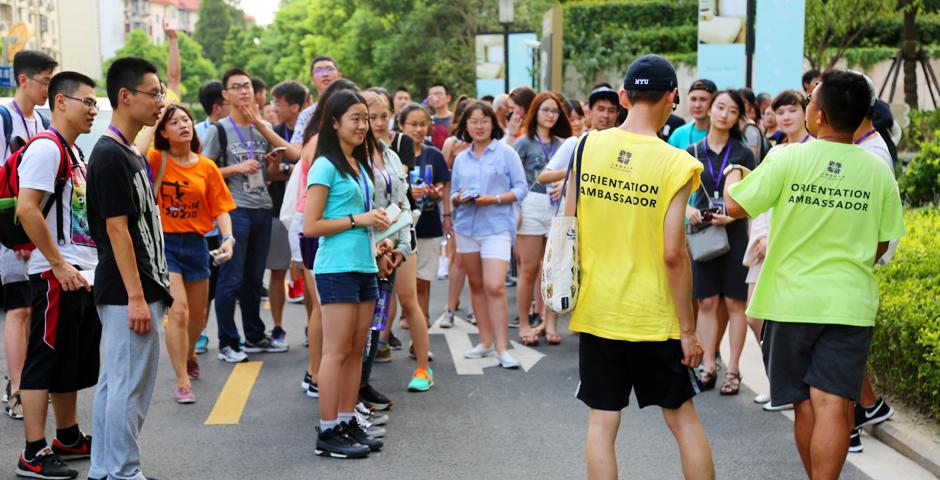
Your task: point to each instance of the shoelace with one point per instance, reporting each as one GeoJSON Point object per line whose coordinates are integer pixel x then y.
{"type": "Point", "coordinates": [363, 421]}
{"type": "Point", "coordinates": [422, 374]}
{"type": "Point", "coordinates": [47, 456]}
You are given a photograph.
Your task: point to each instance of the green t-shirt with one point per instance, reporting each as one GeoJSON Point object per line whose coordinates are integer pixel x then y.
{"type": "Point", "coordinates": [832, 203]}
{"type": "Point", "coordinates": [349, 250]}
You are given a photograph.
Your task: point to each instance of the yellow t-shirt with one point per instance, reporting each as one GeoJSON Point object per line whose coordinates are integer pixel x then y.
{"type": "Point", "coordinates": [627, 183]}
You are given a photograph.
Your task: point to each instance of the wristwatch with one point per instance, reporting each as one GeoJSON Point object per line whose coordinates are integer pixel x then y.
{"type": "Point", "coordinates": [352, 222]}
{"type": "Point", "coordinates": [225, 238]}
{"type": "Point", "coordinates": [285, 167]}
{"type": "Point", "coordinates": [730, 168]}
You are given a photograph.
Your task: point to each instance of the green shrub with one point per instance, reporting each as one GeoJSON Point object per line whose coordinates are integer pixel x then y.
{"type": "Point", "coordinates": [887, 31]}
{"type": "Point", "coordinates": [920, 183]}
{"type": "Point", "coordinates": [905, 352]}
{"type": "Point", "coordinates": [922, 129]}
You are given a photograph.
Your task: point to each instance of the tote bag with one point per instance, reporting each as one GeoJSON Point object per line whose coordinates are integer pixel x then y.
{"type": "Point", "coordinates": [561, 270]}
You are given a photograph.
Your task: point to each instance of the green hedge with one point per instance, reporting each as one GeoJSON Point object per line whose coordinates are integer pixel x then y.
{"type": "Point", "coordinates": [905, 353]}
{"type": "Point", "coordinates": [601, 36]}
{"type": "Point", "coordinates": [920, 183]}
{"type": "Point", "coordinates": [922, 129]}
{"type": "Point", "coordinates": [887, 31]}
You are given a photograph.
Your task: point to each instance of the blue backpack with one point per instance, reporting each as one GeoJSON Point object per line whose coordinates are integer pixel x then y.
{"type": "Point", "coordinates": [7, 119]}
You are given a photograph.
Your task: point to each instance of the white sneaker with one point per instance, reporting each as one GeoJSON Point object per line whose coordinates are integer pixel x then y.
{"type": "Point", "coordinates": [762, 398]}
{"type": "Point", "coordinates": [479, 351]}
{"type": "Point", "coordinates": [768, 407]}
{"type": "Point", "coordinates": [447, 319]}
{"type": "Point", "coordinates": [508, 361]}
{"type": "Point", "coordinates": [230, 355]}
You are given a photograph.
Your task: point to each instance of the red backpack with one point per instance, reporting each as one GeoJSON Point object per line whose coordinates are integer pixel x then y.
{"type": "Point", "coordinates": [12, 234]}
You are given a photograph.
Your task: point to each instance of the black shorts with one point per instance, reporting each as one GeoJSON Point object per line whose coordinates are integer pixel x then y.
{"type": "Point", "coordinates": [725, 275]}
{"type": "Point", "coordinates": [831, 358]}
{"type": "Point", "coordinates": [17, 295]}
{"type": "Point", "coordinates": [611, 368]}
{"type": "Point", "coordinates": [63, 351]}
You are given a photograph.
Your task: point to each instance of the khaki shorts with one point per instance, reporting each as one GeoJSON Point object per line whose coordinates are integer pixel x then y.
{"type": "Point", "coordinates": [429, 256]}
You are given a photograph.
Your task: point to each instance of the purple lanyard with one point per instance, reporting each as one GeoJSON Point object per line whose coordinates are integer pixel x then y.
{"type": "Point", "coordinates": [23, 119]}
{"type": "Point", "coordinates": [241, 138]}
{"type": "Point", "coordinates": [388, 182]}
{"type": "Point", "coordinates": [865, 137]}
{"type": "Point", "coordinates": [805, 139]}
{"type": "Point", "coordinates": [68, 148]}
{"type": "Point", "coordinates": [285, 136]}
{"type": "Point", "coordinates": [549, 153]}
{"type": "Point", "coordinates": [365, 186]}
{"type": "Point", "coordinates": [128, 145]}
{"type": "Point", "coordinates": [716, 177]}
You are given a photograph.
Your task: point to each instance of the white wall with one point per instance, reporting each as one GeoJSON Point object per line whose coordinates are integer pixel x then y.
{"type": "Point", "coordinates": [111, 24]}
{"type": "Point", "coordinates": [80, 44]}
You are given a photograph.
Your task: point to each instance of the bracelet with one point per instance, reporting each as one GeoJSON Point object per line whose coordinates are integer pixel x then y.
{"type": "Point", "coordinates": [499, 201]}
{"type": "Point", "coordinates": [352, 222]}
{"type": "Point", "coordinates": [446, 214]}
{"type": "Point", "coordinates": [226, 238]}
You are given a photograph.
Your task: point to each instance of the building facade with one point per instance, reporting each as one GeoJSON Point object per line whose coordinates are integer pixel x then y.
{"type": "Point", "coordinates": [41, 18]}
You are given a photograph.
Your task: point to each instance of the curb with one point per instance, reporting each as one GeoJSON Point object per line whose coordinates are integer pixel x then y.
{"type": "Point", "coordinates": [909, 442]}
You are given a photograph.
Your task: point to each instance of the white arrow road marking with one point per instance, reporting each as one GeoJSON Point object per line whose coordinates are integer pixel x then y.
{"type": "Point", "coordinates": [458, 342]}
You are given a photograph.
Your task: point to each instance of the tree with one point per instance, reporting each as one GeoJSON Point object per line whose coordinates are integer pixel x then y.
{"type": "Point", "coordinates": [833, 26]}
{"type": "Point", "coordinates": [216, 19]}
{"type": "Point", "coordinates": [196, 69]}
{"type": "Point", "coordinates": [241, 46]}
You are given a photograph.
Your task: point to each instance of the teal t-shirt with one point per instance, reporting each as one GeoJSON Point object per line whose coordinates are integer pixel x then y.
{"type": "Point", "coordinates": [349, 250]}
{"type": "Point", "coordinates": [832, 204]}
{"type": "Point", "coordinates": [686, 135]}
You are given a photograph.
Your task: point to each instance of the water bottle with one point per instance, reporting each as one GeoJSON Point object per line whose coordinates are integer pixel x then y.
{"type": "Point", "coordinates": [382, 305]}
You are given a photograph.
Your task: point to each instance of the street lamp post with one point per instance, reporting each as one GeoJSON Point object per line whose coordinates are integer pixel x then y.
{"type": "Point", "coordinates": [506, 19]}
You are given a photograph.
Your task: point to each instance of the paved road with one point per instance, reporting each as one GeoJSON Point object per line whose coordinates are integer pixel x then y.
{"type": "Point", "coordinates": [503, 424]}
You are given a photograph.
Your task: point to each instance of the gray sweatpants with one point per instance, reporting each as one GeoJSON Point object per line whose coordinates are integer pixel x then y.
{"type": "Point", "coordinates": [122, 398]}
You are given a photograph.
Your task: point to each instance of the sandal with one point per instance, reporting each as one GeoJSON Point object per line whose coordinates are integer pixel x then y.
{"type": "Point", "coordinates": [731, 385]}
{"type": "Point", "coordinates": [707, 380]}
{"type": "Point", "coordinates": [530, 340]}
{"type": "Point", "coordinates": [552, 338]}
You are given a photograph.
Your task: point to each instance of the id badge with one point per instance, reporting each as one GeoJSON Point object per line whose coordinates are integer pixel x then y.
{"type": "Point", "coordinates": [255, 180]}
{"type": "Point", "coordinates": [720, 204]}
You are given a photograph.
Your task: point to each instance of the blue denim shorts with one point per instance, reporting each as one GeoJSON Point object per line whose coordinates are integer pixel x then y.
{"type": "Point", "coordinates": [349, 287]}
{"type": "Point", "coordinates": [187, 254]}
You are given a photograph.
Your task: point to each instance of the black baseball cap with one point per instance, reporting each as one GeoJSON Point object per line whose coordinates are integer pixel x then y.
{"type": "Point", "coordinates": [704, 84]}
{"type": "Point", "coordinates": [603, 93]}
{"type": "Point", "coordinates": [651, 72]}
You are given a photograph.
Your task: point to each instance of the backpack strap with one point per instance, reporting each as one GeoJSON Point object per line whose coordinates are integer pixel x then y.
{"type": "Point", "coordinates": [223, 143]}
{"type": "Point", "coordinates": [159, 180]}
{"type": "Point", "coordinates": [42, 118]}
{"type": "Point", "coordinates": [62, 177]}
{"type": "Point", "coordinates": [7, 127]}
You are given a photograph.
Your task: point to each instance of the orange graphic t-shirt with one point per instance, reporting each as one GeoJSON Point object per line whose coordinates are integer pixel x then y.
{"type": "Point", "coordinates": [190, 197]}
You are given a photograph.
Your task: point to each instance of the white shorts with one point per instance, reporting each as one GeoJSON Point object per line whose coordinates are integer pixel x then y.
{"type": "Point", "coordinates": [429, 257]}
{"type": "Point", "coordinates": [537, 213]}
{"type": "Point", "coordinates": [293, 237]}
{"type": "Point", "coordinates": [753, 273]}
{"type": "Point", "coordinates": [497, 246]}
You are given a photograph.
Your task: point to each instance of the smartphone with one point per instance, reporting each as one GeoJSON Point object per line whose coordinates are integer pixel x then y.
{"type": "Point", "coordinates": [709, 213]}
{"type": "Point", "coordinates": [277, 151]}
{"type": "Point", "coordinates": [469, 197]}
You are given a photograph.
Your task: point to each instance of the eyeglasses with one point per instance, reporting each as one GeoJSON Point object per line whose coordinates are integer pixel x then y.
{"type": "Point", "coordinates": [237, 87]}
{"type": "Point", "coordinates": [88, 101]}
{"type": "Point", "coordinates": [158, 96]}
{"type": "Point", "coordinates": [44, 83]}
{"type": "Point", "coordinates": [550, 111]}
{"type": "Point", "coordinates": [323, 71]}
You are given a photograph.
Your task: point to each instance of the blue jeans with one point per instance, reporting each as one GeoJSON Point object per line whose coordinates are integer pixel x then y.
{"type": "Point", "coordinates": [242, 276]}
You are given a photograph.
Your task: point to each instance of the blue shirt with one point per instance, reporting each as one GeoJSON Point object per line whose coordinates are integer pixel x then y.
{"type": "Point", "coordinates": [686, 135]}
{"type": "Point", "coordinates": [498, 171]}
{"type": "Point", "coordinates": [349, 250]}
{"type": "Point", "coordinates": [201, 128]}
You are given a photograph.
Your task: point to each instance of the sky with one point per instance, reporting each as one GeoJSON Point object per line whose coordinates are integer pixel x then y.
{"type": "Point", "coordinates": [262, 10]}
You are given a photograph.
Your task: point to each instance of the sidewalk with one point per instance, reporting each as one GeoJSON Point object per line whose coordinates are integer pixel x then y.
{"type": "Point", "coordinates": [886, 455]}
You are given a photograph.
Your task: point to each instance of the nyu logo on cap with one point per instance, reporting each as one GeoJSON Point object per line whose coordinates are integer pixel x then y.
{"type": "Point", "coordinates": [651, 72]}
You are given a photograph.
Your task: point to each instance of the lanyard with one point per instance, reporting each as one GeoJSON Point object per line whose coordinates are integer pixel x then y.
{"type": "Point", "coordinates": [365, 187]}
{"type": "Point", "coordinates": [716, 177]}
{"type": "Point", "coordinates": [549, 153]}
{"type": "Point", "coordinates": [140, 159]}
{"type": "Point", "coordinates": [388, 181]}
{"type": "Point", "coordinates": [805, 139]}
{"type": "Point", "coordinates": [23, 119]}
{"type": "Point", "coordinates": [865, 137]}
{"type": "Point", "coordinates": [69, 155]}
{"type": "Point", "coordinates": [285, 136]}
{"type": "Point", "coordinates": [241, 138]}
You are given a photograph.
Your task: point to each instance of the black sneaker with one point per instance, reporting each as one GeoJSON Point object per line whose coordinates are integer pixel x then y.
{"type": "Point", "coordinates": [313, 391]}
{"type": "Point", "coordinates": [878, 413]}
{"type": "Point", "coordinates": [353, 429]}
{"type": "Point", "coordinates": [81, 449]}
{"type": "Point", "coordinates": [379, 402]}
{"type": "Point", "coordinates": [263, 345]}
{"type": "Point", "coordinates": [308, 379]}
{"type": "Point", "coordinates": [393, 342]}
{"type": "Point", "coordinates": [535, 320]}
{"type": "Point", "coordinates": [46, 465]}
{"type": "Point", "coordinates": [8, 391]}
{"type": "Point", "coordinates": [514, 323]}
{"type": "Point", "coordinates": [855, 441]}
{"type": "Point", "coordinates": [264, 294]}
{"type": "Point", "coordinates": [336, 443]}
